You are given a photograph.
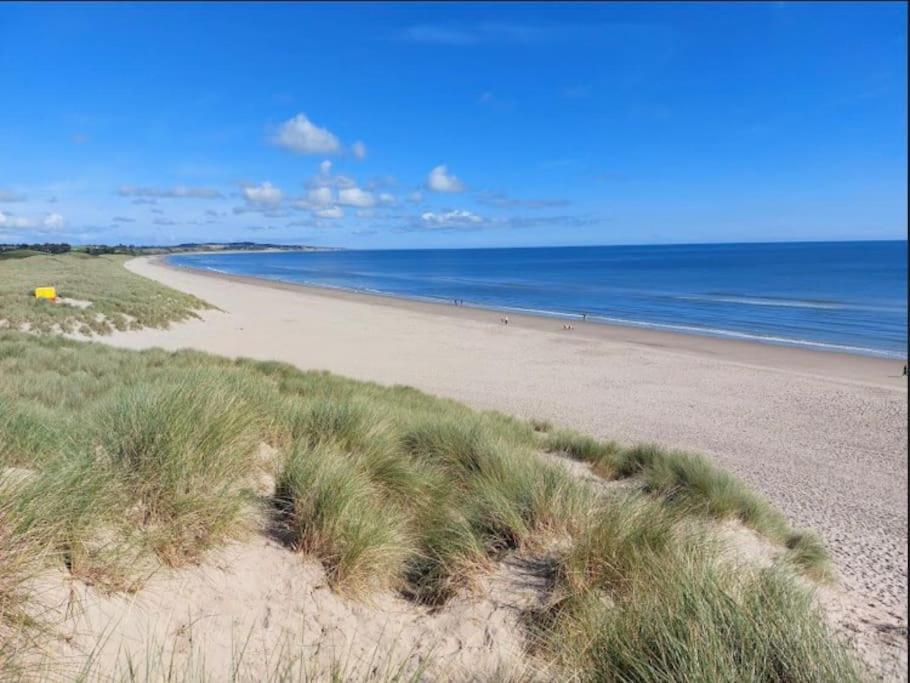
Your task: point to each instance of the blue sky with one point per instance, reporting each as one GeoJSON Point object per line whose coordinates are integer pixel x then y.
{"type": "Point", "coordinates": [453, 125]}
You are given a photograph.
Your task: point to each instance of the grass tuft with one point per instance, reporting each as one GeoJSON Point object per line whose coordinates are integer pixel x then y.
{"type": "Point", "coordinates": [182, 453]}
{"type": "Point", "coordinates": [807, 551]}
{"type": "Point", "coordinates": [334, 512]}
{"type": "Point", "coordinates": [691, 483]}
{"type": "Point", "coordinates": [601, 456]}
{"type": "Point", "coordinates": [542, 426]}
{"type": "Point", "coordinates": [643, 596]}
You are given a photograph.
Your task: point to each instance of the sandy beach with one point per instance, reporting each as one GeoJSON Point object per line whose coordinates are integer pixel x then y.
{"type": "Point", "coordinates": [823, 435]}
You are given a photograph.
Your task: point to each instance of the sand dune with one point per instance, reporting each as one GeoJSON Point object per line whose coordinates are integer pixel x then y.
{"type": "Point", "coordinates": [824, 436]}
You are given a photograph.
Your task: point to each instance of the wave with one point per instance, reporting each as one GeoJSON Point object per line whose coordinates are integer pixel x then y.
{"type": "Point", "coordinates": [766, 338]}
{"type": "Point", "coordinates": [782, 302]}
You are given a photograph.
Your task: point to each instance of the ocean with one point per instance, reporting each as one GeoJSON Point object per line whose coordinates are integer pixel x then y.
{"type": "Point", "coordinates": [838, 296]}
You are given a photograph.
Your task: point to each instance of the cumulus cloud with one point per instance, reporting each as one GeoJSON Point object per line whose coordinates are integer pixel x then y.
{"type": "Point", "coordinates": [387, 199]}
{"type": "Point", "coordinates": [10, 221]}
{"type": "Point", "coordinates": [454, 219]}
{"type": "Point", "coordinates": [301, 135]}
{"type": "Point", "coordinates": [325, 178]}
{"type": "Point", "coordinates": [359, 150]}
{"type": "Point", "coordinates": [11, 196]}
{"type": "Point", "coordinates": [440, 180]}
{"type": "Point", "coordinates": [178, 192]}
{"type": "Point", "coordinates": [264, 194]}
{"type": "Point", "coordinates": [354, 196]}
{"type": "Point", "coordinates": [319, 197]}
{"type": "Point", "coordinates": [332, 212]}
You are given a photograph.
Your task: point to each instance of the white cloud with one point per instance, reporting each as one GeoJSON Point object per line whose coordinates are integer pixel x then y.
{"type": "Point", "coordinates": [387, 199]}
{"type": "Point", "coordinates": [359, 150]}
{"type": "Point", "coordinates": [264, 194]}
{"type": "Point", "coordinates": [301, 135]}
{"type": "Point", "coordinates": [53, 221]}
{"type": "Point", "coordinates": [333, 212]}
{"type": "Point", "coordinates": [178, 192]}
{"type": "Point", "coordinates": [354, 196]}
{"type": "Point", "coordinates": [320, 196]}
{"type": "Point", "coordinates": [415, 197]}
{"type": "Point", "coordinates": [457, 218]}
{"type": "Point", "coordinates": [439, 180]}
{"type": "Point", "coordinates": [8, 221]}
{"type": "Point", "coordinates": [325, 178]}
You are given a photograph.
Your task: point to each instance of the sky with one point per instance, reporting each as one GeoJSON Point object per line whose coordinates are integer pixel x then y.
{"type": "Point", "coordinates": [380, 125]}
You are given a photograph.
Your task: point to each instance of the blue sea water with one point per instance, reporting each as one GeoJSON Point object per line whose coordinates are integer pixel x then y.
{"type": "Point", "coordinates": [840, 296]}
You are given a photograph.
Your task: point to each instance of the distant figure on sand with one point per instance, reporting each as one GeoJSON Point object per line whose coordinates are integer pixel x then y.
{"type": "Point", "coordinates": [504, 320]}
{"type": "Point", "coordinates": [905, 371]}
{"type": "Point", "coordinates": [584, 316]}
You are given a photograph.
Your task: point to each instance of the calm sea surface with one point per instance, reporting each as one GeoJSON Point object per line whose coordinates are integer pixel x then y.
{"type": "Point", "coordinates": [847, 296]}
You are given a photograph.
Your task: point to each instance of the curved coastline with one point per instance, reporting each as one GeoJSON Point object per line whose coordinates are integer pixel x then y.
{"type": "Point", "coordinates": [680, 330]}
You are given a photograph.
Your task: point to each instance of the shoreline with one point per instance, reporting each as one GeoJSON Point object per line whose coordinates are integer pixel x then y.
{"type": "Point", "coordinates": [854, 367]}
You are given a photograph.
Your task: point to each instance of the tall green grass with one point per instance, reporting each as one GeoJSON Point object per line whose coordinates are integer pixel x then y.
{"type": "Point", "coordinates": [693, 484]}
{"type": "Point", "coordinates": [642, 596]}
{"type": "Point", "coordinates": [112, 461]}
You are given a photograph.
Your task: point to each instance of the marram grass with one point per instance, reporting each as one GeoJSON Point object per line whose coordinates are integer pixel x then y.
{"type": "Point", "coordinates": [693, 485]}
{"type": "Point", "coordinates": [113, 460]}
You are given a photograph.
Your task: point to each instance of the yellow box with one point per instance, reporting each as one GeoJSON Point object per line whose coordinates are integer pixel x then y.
{"type": "Point", "coordinates": [45, 292]}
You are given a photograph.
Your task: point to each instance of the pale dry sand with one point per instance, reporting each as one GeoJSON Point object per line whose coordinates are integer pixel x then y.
{"type": "Point", "coordinates": [823, 435]}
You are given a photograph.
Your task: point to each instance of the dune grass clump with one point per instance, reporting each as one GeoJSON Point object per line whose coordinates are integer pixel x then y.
{"type": "Point", "coordinates": [642, 595]}
{"type": "Point", "coordinates": [408, 499]}
{"type": "Point", "coordinates": [182, 453]}
{"type": "Point", "coordinates": [601, 456]}
{"type": "Point", "coordinates": [807, 552]}
{"type": "Point", "coordinates": [334, 512]}
{"type": "Point", "coordinates": [28, 431]}
{"type": "Point", "coordinates": [542, 426]}
{"type": "Point", "coordinates": [693, 482]}
{"type": "Point", "coordinates": [690, 482]}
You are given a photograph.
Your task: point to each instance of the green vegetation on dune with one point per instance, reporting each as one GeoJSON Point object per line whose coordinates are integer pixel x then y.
{"type": "Point", "coordinates": [114, 460]}
{"type": "Point", "coordinates": [693, 485]}
{"type": "Point", "coordinates": [118, 298]}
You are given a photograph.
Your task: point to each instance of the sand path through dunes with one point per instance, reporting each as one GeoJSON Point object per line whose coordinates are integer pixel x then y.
{"type": "Point", "coordinates": [823, 435]}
